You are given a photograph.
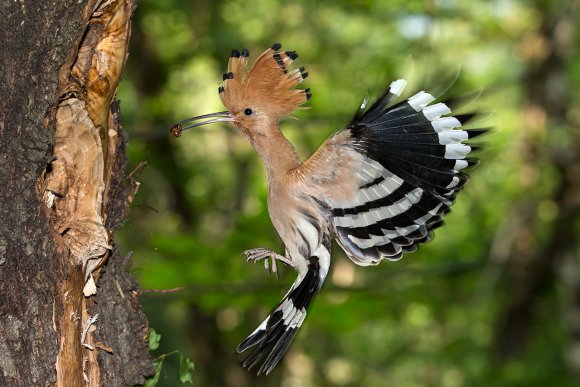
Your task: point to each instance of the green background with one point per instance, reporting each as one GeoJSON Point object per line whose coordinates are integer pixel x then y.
{"type": "Point", "coordinates": [493, 300]}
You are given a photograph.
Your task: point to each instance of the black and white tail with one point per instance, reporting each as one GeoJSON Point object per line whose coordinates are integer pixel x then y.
{"type": "Point", "coordinates": [273, 337]}
{"type": "Point", "coordinates": [412, 157]}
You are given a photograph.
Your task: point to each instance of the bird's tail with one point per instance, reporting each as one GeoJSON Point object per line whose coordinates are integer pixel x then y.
{"type": "Point", "coordinates": [273, 337]}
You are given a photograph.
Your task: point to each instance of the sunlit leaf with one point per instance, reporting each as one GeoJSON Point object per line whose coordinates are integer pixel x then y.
{"type": "Point", "coordinates": [154, 339]}
{"type": "Point", "coordinates": [186, 368]}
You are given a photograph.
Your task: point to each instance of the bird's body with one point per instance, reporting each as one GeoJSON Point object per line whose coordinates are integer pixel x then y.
{"type": "Point", "coordinates": [378, 187]}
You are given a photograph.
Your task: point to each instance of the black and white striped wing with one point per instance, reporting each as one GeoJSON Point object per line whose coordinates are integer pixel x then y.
{"type": "Point", "coordinates": [410, 158]}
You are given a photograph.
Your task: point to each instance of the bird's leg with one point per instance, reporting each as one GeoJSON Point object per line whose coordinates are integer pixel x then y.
{"type": "Point", "coordinates": [260, 253]}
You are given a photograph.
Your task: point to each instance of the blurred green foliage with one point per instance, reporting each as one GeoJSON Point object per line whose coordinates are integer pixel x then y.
{"type": "Point", "coordinates": [427, 320]}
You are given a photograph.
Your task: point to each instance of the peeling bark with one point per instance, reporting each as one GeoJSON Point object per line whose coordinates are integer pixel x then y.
{"type": "Point", "coordinates": [62, 165]}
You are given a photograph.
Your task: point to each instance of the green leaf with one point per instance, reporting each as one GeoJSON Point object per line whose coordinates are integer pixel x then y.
{"type": "Point", "coordinates": [152, 382]}
{"type": "Point", "coordinates": [186, 368]}
{"type": "Point", "coordinates": [154, 339]}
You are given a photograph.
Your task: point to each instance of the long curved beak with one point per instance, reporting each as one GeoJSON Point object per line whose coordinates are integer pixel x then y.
{"type": "Point", "coordinates": [187, 124]}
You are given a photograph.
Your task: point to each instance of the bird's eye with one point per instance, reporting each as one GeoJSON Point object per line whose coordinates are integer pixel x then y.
{"type": "Point", "coordinates": [248, 112]}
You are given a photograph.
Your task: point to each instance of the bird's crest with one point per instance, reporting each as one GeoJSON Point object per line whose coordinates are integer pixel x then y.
{"type": "Point", "coordinates": [268, 84]}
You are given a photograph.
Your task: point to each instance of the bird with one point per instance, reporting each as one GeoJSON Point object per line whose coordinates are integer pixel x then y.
{"type": "Point", "coordinates": [378, 187]}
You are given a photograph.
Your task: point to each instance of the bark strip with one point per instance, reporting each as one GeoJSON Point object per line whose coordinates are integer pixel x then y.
{"type": "Point", "coordinates": [85, 198]}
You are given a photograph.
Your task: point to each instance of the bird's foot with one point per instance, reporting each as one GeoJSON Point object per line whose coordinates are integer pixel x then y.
{"type": "Point", "coordinates": [260, 253]}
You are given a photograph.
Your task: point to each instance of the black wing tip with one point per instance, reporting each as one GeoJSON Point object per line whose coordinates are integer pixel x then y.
{"type": "Point", "coordinates": [465, 118]}
{"type": "Point", "coordinates": [472, 133]}
{"type": "Point", "coordinates": [471, 163]}
{"type": "Point", "coordinates": [477, 147]}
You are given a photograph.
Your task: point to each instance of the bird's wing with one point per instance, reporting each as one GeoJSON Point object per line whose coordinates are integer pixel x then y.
{"type": "Point", "coordinates": [390, 177]}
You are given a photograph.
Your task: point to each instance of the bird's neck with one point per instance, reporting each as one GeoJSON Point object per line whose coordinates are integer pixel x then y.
{"type": "Point", "coordinates": [277, 154]}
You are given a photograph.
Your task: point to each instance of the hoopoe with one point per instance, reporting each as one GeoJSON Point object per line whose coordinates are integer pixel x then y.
{"type": "Point", "coordinates": [378, 187]}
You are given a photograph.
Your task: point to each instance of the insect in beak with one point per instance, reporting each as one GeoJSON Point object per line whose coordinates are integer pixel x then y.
{"type": "Point", "coordinates": [179, 127]}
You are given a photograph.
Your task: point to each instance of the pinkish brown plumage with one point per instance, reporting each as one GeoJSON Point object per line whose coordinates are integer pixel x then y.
{"type": "Point", "coordinates": [379, 187]}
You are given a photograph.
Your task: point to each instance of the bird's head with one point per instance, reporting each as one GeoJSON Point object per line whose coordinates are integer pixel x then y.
{"type": "Point", "coordinates": [258, 96]}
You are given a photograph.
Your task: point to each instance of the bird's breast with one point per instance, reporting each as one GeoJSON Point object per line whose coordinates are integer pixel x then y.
{"type": "Point", "coordinates": [297, 220]}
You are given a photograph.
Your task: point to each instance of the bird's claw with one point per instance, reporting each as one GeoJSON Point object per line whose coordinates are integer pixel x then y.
{"type": "Point", "coordinates": [268, 256]}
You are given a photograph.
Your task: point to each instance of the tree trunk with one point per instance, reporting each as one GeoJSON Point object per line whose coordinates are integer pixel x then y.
{"type": "Point", "coordinates": [63, 192]}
